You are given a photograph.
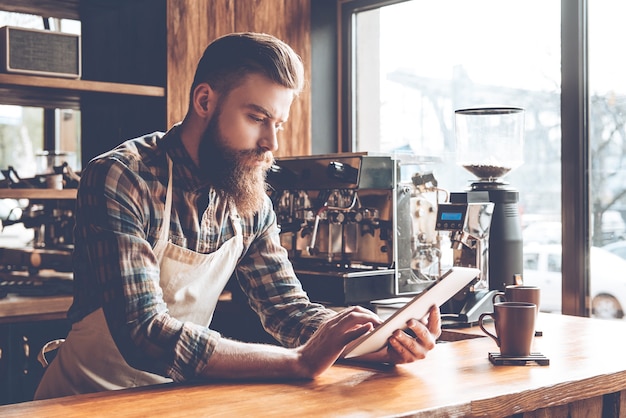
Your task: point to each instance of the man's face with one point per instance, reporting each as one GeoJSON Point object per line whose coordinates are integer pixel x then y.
{"type": "Point", "coordinates": [236, 149]}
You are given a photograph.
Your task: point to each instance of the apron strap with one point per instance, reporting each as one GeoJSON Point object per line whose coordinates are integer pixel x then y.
{"type": "Point", "coordinates": [165, 229]}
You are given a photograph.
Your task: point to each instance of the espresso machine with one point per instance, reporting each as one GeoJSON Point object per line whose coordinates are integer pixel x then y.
{"type": "Point", "coordinates": [354, 228]}
{"type": "Point", "coordinates": [489, 145]}
{"type": "Point", "coordinates": [41, 264]}
{"type": "Point", "coordinates": [52, 223]}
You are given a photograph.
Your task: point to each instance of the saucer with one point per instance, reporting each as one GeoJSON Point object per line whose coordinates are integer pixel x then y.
{"type": "Point", "coordinates": [500, 360]}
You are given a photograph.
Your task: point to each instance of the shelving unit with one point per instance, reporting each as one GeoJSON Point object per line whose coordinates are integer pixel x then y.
{"type": "Point", "coordinates": [121, 94]}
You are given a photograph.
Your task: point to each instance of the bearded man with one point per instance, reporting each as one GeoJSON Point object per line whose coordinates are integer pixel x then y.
{"type": "Point", "coordinates": [164, 221]}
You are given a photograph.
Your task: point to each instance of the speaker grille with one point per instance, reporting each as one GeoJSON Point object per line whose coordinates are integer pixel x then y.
{"type": "Point", "coordinates": [41, 52]}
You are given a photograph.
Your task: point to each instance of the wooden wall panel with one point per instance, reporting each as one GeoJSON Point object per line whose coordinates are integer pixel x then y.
{"type": "Point", "coordinates": [193, 24]}
{"type": "Point", "coordinates": [290, 21]}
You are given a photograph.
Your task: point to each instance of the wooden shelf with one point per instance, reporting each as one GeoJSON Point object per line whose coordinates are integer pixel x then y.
{"type": "Point", "coordinates": [78, 86]}
{"type": "Point", "coordinates": [38, 194]}
{"type": "Point", "coordinates": [55, 92]}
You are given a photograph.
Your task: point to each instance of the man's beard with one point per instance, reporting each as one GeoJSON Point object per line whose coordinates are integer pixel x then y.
{"type": "Point", "coordinates": [235, 172]}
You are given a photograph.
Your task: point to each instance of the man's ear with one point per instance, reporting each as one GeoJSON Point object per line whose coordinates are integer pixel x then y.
{"type": "Point", "coordinates": [204, 99]}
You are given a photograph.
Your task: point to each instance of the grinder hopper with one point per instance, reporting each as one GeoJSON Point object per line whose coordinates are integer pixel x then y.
{"type": "Point", "coordinates": [490, 141]}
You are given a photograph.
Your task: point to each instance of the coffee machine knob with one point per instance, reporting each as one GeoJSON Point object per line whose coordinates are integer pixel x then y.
{"type": "Point", "coordinates": [336, 217]}
{"type": "Point", "coordinates": [35, 259]}
{"type": "Point", "coordinates": [355, 217]}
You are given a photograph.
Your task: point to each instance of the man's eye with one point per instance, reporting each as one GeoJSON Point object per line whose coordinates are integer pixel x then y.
{"type": "Point", "coordinates": [263, 120]}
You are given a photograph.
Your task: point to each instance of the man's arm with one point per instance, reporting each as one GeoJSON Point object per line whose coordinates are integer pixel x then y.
{"type": "Point", "coordinates": [235, 360]}
{"type": "Point", "coordinates": [267, 278]}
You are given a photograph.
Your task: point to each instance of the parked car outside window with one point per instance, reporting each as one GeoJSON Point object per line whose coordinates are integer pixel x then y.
{"type": "Point", "coordinates": [618, 248]}
{"type": "Point", "coordinates": [542, 268]}
{"type": "Point", "coordinates": [543, 232]}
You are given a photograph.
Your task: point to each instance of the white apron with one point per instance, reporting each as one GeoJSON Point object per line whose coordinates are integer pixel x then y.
{"type": "Point", "coordinates": [89, 361]}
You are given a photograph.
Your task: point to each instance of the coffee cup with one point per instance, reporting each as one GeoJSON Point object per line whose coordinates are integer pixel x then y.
{"type": "Point", "coordinates": [514, 327]}
{"type": "Point", "coordinates": [54, 181]}
{"type": "Point", "coordinates": [519, 293]}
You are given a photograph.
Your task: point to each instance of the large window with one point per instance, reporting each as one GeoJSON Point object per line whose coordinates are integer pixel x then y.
{"type": "Point", "coordinates": [410, 64]}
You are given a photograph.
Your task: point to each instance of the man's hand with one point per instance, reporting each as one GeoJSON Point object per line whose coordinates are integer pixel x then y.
{"type": "Point", "coordinates": [404, 348]}
{"type": "Point", "coordinates": [328, 342]}
{"type": "Point", "coordinates": [238, 360]}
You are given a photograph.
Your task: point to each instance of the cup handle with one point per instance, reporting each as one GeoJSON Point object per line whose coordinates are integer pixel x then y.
{"type": "Point", "coordinates": [480, 323]}
{"type": "Point", "coordinates": [498, 295]}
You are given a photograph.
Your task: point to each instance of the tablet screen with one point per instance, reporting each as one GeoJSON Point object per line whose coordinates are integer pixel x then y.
{"type": "Point", "coordinates": [448, 285]}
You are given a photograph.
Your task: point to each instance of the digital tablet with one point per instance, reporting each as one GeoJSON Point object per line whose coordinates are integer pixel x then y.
{"type": "Point", "coordinates": [448, 285]}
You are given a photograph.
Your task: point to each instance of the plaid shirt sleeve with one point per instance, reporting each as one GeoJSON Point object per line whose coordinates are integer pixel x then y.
{"type": "Point", "coordinates": [266, 275]}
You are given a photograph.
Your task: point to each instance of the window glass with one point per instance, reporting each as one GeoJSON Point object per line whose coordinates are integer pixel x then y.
{"type": "Point", "coordinates": [554, 263]}
{"type": "Point", "coordinates": [21, 136]}
{"type": "Point", "coordinates": [531, 260]}
{"type": "Point", "coordinates": [607, 126]}
{"type": "Point", "coordinates": [416, 62]}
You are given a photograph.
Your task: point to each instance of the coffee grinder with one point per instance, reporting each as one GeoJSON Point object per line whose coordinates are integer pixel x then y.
{"type": "Point", "coordinates": [489, 144]}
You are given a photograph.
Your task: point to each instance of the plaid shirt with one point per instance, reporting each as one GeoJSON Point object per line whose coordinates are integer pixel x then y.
{"type": "Point", "coordinates": [119, 212]}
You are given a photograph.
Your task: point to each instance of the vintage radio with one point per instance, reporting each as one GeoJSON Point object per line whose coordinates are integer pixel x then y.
{"type": "Point", "coordinates": [40, 52]}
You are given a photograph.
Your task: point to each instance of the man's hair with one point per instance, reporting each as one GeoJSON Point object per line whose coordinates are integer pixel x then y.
{"type": "Point", "coordinates": [230, 58]}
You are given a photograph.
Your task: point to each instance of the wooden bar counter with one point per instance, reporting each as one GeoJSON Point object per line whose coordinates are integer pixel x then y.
{"type": "Point", "coordinates": [586, 377]}
{"type": "Point", "coordinates": [40, 308]}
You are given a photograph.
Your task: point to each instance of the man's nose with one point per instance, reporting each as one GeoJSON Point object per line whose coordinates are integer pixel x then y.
{"type": "Point", "coordinates": [269, 140]}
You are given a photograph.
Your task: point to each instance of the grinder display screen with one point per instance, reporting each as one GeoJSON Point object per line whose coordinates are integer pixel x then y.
{"type": "Point", "coordinates": [451, 216]}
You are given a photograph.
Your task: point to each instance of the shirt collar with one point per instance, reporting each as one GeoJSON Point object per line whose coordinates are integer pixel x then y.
{"type": "Point", "coordinates": [185, 171]}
